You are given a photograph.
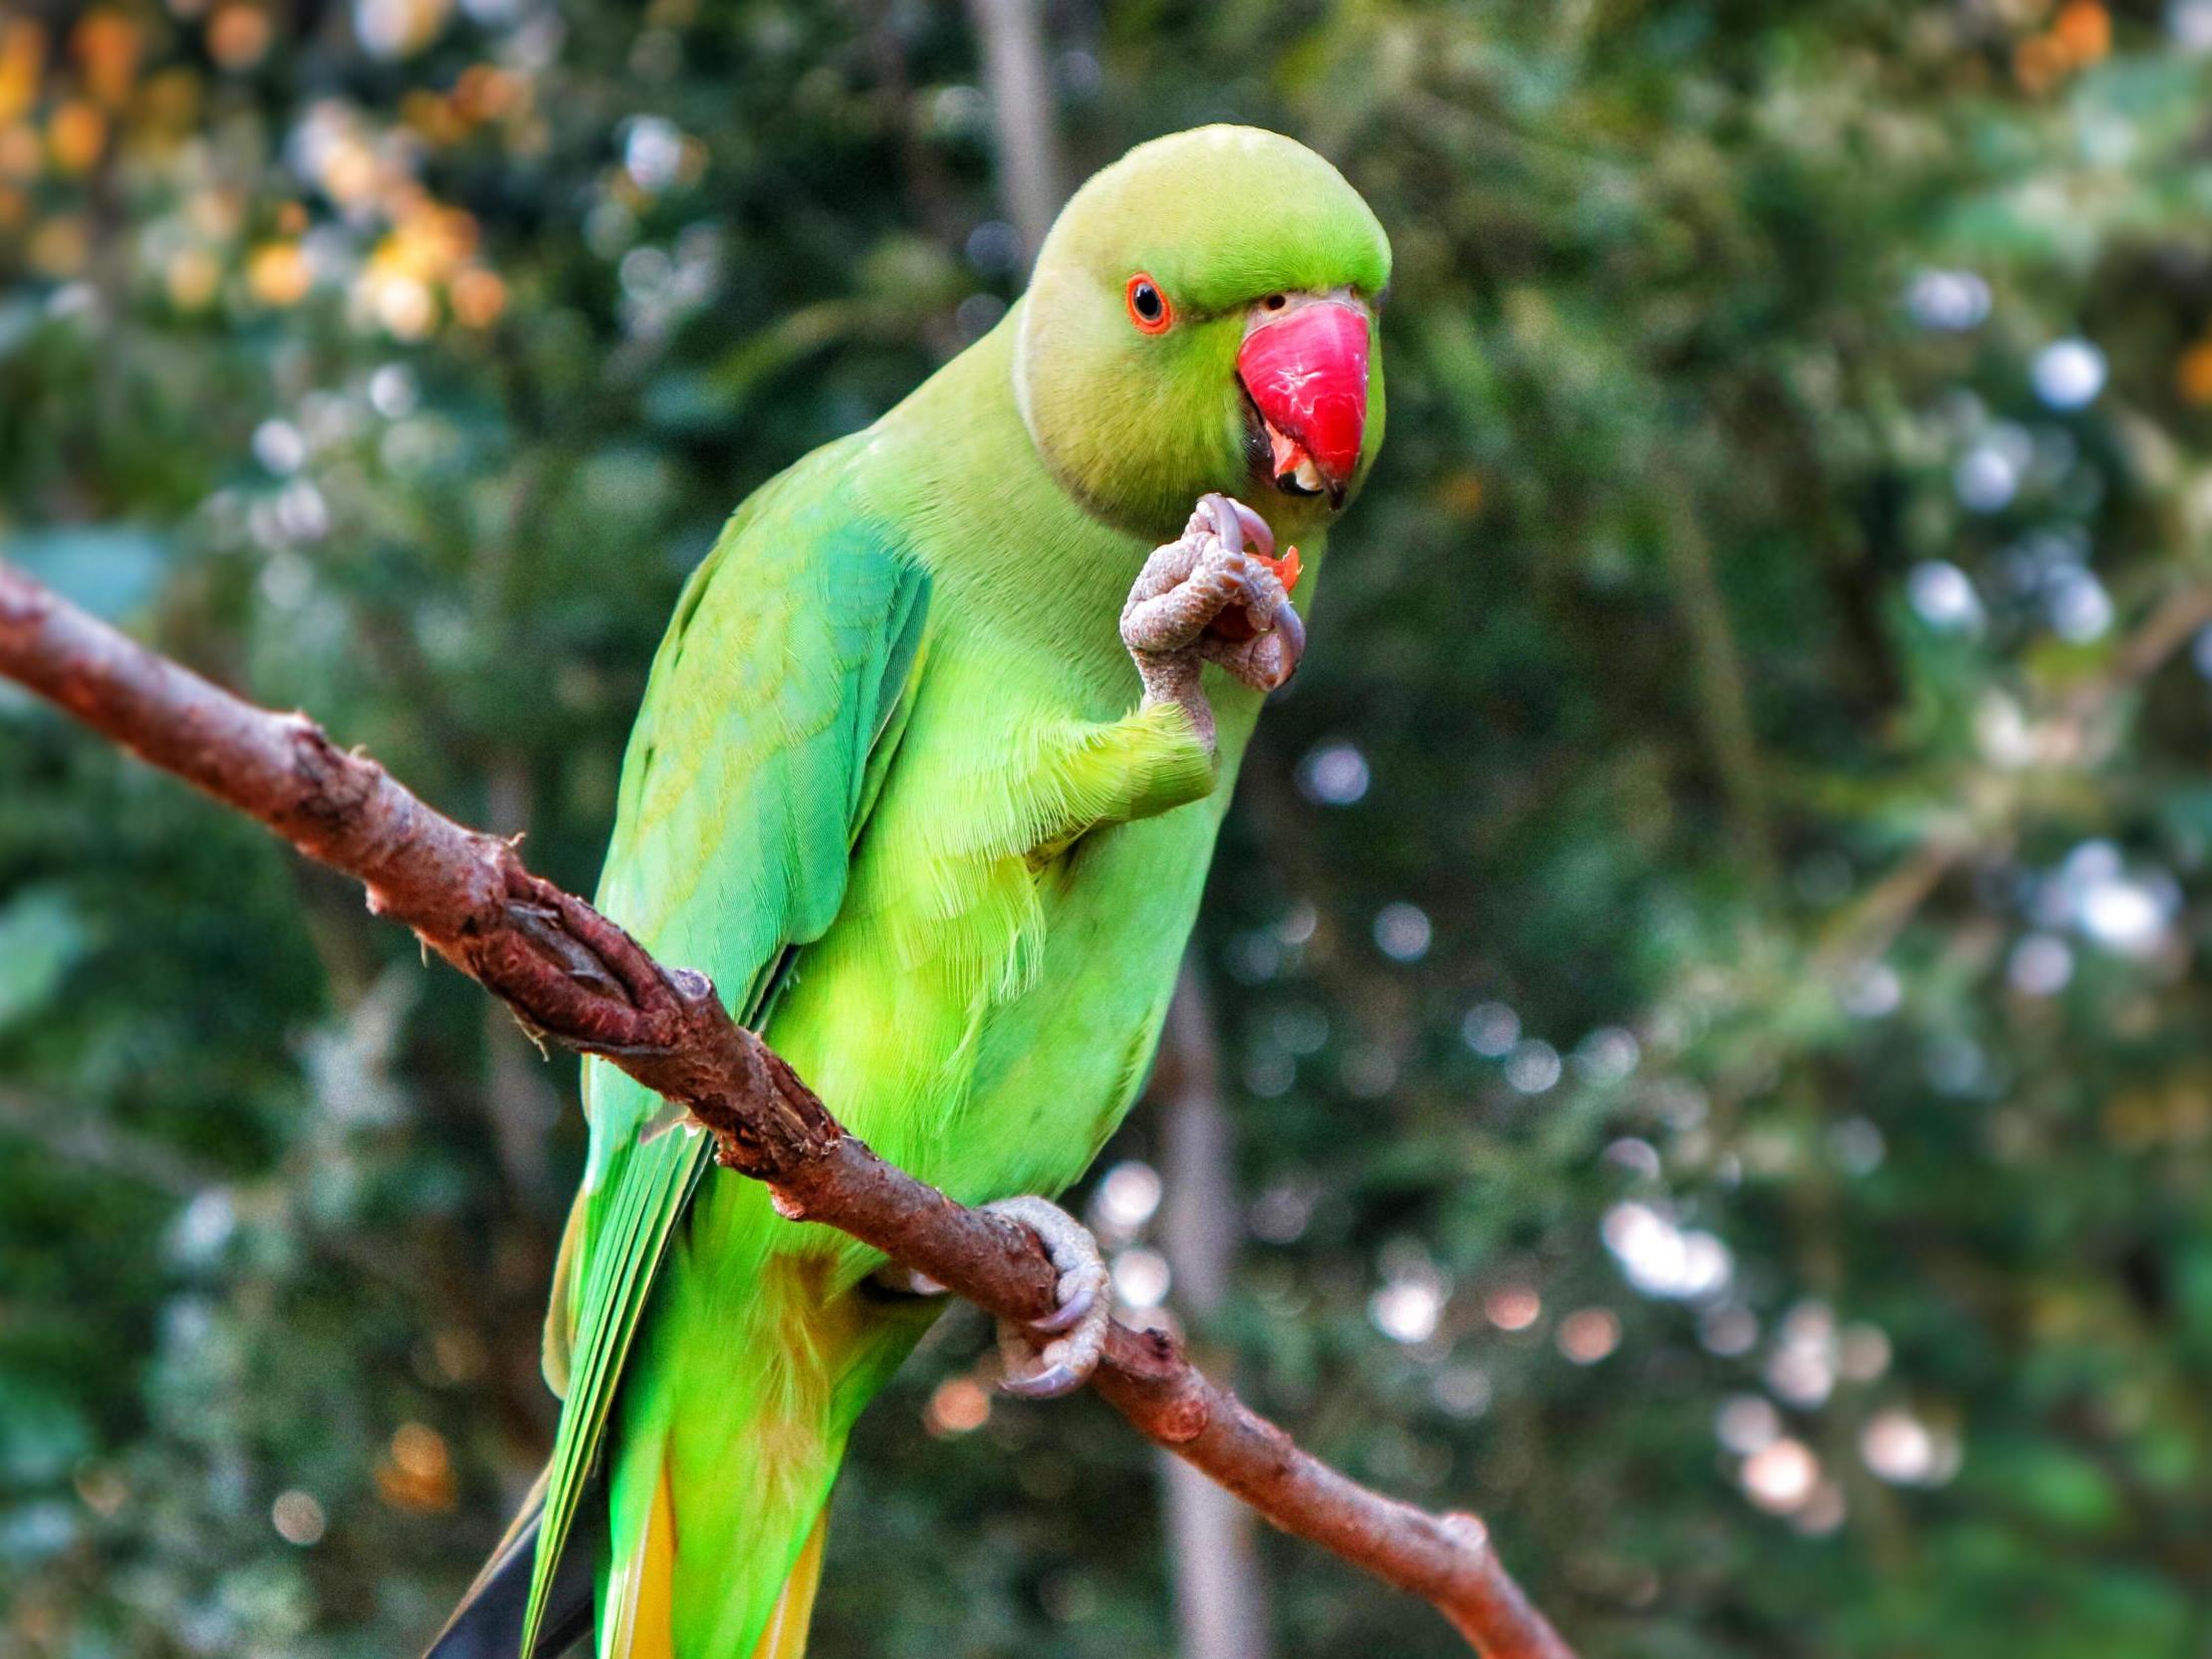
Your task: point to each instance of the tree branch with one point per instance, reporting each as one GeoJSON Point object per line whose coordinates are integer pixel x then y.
{"type": "Point", "coordinates": [574, 976]}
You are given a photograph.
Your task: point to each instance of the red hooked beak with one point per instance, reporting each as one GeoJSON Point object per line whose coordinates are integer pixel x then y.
{"type": "Point", "coordinates": [1305, 370]}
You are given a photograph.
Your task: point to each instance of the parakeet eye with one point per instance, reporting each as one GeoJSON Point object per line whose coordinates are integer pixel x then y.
{"type": "Point", "coordinates": [1276, 301]}
{"type": "Point", "coordinates": [1148, 306]}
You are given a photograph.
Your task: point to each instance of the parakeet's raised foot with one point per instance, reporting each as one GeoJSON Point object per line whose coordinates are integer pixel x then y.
{"type": "Point", "coordinates": [1075, 1336]}
{"type": "Point", "coordinates": [1203, 598]}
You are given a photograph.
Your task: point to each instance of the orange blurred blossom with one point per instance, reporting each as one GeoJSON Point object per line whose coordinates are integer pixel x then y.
{"type": "Point", "coordinates": [477, 297]}
{"type": "Point", "coordinates": [76, 136]}
{"type": "Point", "coordinates": [278, 273]}
{"type": "Point", "coordinates": [238, 35]}
{"type": "Point", "coordinates": [2192, 375]}
{"type": "Point", "coordinates": [106, 45]}
{"type": "Point", "coordinates": [22, 62]}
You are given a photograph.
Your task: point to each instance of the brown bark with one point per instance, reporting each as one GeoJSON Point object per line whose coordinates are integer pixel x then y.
{"type": "Point", "coordinates": [575, 977]}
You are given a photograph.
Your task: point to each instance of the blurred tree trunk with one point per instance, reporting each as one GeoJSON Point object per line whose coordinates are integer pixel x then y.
{"type": "Point", "coordinates": [1019, 79]}
{"type": "Point", "coordinates": [521, 1105]}
{"type": "Point", "coordinates": [1220, 1596]}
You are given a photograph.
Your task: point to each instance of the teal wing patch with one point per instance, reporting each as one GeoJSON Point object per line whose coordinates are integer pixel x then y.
{"type": "Point", "coordinates": [774, 705]}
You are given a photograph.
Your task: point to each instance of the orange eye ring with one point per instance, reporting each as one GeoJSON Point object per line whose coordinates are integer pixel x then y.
{"type": "Point", "coordinates": [1148, 306]}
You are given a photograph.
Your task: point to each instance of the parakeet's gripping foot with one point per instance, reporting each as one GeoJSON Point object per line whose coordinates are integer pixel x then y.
{"type": "Point", "coordinates": [1057, 1354]}
{"type": "Point", "coordinates": [1204, 598]}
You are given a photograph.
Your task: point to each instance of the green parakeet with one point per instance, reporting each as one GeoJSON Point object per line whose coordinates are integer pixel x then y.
{"type": "Point", "coordinates": [897, 789]}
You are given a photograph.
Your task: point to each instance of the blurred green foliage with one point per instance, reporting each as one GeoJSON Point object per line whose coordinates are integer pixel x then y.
{"type": "Point", "coordinates": [1709, 951]}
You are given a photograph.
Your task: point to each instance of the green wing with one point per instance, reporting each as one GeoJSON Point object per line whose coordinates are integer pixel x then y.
{"type": "Point", "coordinates": [774, 706]}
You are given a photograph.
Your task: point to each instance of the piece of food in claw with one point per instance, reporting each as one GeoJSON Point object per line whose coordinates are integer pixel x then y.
{"type": "Point", "coordinates": [1237, 621]}
{"type": "Point", "coordinates": [1237, 526]}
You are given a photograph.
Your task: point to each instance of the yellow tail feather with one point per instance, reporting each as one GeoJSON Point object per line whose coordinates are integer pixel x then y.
{"type": "Point", "coordinates": [640, 1594]}
{"type": "Point", "coordinates": [786, 1635]}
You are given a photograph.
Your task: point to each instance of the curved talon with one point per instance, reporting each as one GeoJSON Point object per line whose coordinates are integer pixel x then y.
{"type": "Point", "coordinates": [1056, 1354]}
{"type": "Point", "coordinates": [1047, 1384]}
{"type": "Point", "coordinates": [1225, 522]}
{"type": "Point", "coordinates": [1237, 524]}
{"type": "Point", "coordinates": [1290, 627]}
{"type": "Point", "coordinates": [1256, 528]}
{"type": "Point", "coordinates": [1071, 1313]}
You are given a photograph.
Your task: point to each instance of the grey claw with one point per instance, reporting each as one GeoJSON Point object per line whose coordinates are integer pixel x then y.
{"type": "Point", "coordinates": [1236, 524]}
{"type": "Point", "coordinates": [1225, 522]}
{"type": "Point", "coordinates": [1059, 1352]}
{"type": "Point", "coordinates": [1047, 1384]}
{"type": "Point", "coordinates": [1069, 1314]}
{"type": "Point", "coordinates": [1255, 528]}
{"type": "Point", "coordinates": [1291, 628]}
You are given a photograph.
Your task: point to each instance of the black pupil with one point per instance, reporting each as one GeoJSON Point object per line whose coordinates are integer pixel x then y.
{"type": "Point", "coordinates": [1274, 302]}
{"type": "Point", "coordinates": [1147, 302]}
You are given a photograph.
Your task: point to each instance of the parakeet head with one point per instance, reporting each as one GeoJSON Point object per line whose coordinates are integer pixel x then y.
{"type": "Point", "coordinates": [1203, 318]}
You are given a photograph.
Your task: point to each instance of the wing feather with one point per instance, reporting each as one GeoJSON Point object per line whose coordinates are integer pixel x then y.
{"type": "Point", "coordinates": [774, 706]}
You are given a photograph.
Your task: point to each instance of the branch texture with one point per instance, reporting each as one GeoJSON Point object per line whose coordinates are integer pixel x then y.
{"type": "Point", "coordinates": [572, 976]}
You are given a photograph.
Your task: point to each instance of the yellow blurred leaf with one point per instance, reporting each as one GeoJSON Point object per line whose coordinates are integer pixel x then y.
{"type": "Point", "coordinates": [20, 153]}
{"type": "Point", "coordinates": [477, 297]}
{"type": "Point", "coordinates": [191, 279]}
{"type": "Point", "coordinates": [2038, 63]}
{"type": "Point", "coordinates": [2084, 30]}
{"type": "Point", "coordinates": [2192, 375]}
{"type": "Point", "coordinates": [278, 273]}
{"type": "Point", "coordinates": [433, 115]}
{"type": "Point", "coordinates": [418, 1472]}
{"type": "Point", "coordinates": [60, 246]}
{"type": "Point", "coordinates": [216, 214]}
{"type": "Point", "coordinates": [1462, 493]}
{"type": "Point", "coordinates": [22, 62]}
{"type": "Point", "coordinates": [238, 36]}
{"type": "Point", "coordinates": [76, 136]}
{"type": "Point", "coordinates": [486, 92]}
{"type": "Point", "coordinates": [169, 102]}
{"type": "Point", "coordinates": [106, 45]}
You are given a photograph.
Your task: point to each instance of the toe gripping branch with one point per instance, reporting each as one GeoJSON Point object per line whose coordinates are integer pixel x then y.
{"type": "Point", "coordinates": [1075, 1331]}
